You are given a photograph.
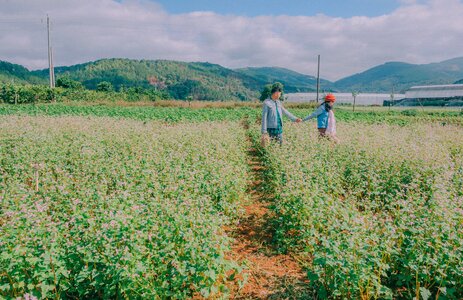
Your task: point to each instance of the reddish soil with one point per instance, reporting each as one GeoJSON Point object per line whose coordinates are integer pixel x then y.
{"type": "Point", "coordinates": [269, 275]}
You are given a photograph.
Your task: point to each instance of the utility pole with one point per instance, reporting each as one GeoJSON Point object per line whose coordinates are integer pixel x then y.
{"type": "Point", "coordinates": [52, 67]}
{"type": "Point", "coordinates": [392, 98]}
{"type": "Point", "coordinates": [50, 57]}
{"type": "Point", "coordinates": [318, 77]}
{"type": "Point", "coordinates": [354, 95]}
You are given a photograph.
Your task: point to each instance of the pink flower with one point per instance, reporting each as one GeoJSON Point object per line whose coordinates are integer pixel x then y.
{"type": "Point", "coordinates": [40, 206]}
{"type": "Point", "coordinates": [29, 297]}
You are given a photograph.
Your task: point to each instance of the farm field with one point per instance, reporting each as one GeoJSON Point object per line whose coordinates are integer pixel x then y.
{"type": "Point", "coordinates": [104, 208]}
{"type": "Point", "coordinates": [176, 111]}
{"type": "Point", "coordinates": [377, 216]}
{"type": "Point", "coordinates": [142, 202]}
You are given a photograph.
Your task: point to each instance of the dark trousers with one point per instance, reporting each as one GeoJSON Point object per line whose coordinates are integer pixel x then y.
{"type": "Point", "coordinates": [276, 137]}
{"type": "Point", "coordinates": [322, 132]}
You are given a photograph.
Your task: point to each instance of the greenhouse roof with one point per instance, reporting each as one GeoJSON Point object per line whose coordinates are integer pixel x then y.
{"type": "Point", "coordinates": [438, 87]}
{"type": "Point", "coordinates": [435, 91]}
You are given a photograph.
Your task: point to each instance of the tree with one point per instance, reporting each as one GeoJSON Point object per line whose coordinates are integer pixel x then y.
{"type": "Point", "coordinates": [105, 86]}
{"type": "Point", "coordinates": [266, 93]}
{"type": "Point", "coordinates": [156, 82]}
{"type": "Point", "coordinates": [241, 96]}
{"type": "Point", "coordinates": [186, 88]}
{"type": "Point", "coordinates": [68, 83]}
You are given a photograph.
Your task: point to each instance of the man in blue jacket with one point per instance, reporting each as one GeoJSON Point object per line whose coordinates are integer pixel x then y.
{"type": "Point", "coordinates": [272, 123]}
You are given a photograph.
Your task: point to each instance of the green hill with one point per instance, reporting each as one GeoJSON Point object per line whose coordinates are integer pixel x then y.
{"type": "Point", "coordinates": [199, 80]}
{"type": "Point", "coordinates": [402, 76]}
{"type": "Point", "coordinates": [206, 81]}
{"type": "Point", "coordinates": [13, 73]}
{"type": "Point", "coordinates": [293, 81]}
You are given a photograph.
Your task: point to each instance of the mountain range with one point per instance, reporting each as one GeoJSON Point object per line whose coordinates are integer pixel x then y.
{"type": "Point", "coordinates": [207, 81]}
{"type": "Point", "coordinates": [402, 76]}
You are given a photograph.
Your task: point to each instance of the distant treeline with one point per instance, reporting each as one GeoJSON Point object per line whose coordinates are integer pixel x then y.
{"type": "Point", "coordinates": [20, 94]}
{"type": "Point", "coordinates": [71, 90]}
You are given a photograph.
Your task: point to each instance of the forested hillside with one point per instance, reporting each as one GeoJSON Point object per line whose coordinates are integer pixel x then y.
{"type": "Point", "coordinates": [13, 73]}
{"type": "Point", "coordinates": [207, 81]}
{"type": "Point", "coordinates": [203, 81]}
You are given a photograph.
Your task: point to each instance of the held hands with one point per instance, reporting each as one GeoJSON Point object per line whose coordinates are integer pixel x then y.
{"type": "Point", "coordinates": [298, 120]}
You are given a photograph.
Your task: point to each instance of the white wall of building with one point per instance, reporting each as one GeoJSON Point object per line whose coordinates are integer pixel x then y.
{"type": "Point", "coordinates": [435, 91]}
{"type": "Point", "coordinates": [361, 99]}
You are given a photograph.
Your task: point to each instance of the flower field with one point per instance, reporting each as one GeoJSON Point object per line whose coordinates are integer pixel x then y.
{"type": "Point", "coordinates": [173, 114]}
{"type": "Point", "coordinates": [377, 216]}
{"type": "Point", "coordinates": [106, 208]}
{"type": "Point", "coordinates": [137, 202]}
{"type": "Point", "coordinates": [164, 114]}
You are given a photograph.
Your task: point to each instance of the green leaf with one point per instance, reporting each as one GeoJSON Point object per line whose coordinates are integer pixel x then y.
{"type": "Point", "coordinates": [5, 287]}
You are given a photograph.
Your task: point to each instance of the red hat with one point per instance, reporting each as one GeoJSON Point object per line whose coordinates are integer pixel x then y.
{"type": "Point", "coordinates": [330, 98]}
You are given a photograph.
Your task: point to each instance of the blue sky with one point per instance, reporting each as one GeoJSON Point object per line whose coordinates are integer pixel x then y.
{"type": "Point", "coordinates": [335, 8]}
{"type": "Point", "coordinates": [351, 36]}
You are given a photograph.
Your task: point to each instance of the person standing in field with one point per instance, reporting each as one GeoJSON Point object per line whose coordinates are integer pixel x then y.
{"type": "Point", "coordinates": [272, 115]}
{"type": "Point", "coordinates": [326, 122]}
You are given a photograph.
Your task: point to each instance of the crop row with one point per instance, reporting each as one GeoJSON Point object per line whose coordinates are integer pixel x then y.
{"type": "Point", "coordinates": [376, 216]}
{"type": "Point", "coordinates": [370, 115]}
{"type": "Point", "coordinates": [166, 114]}
{"type": "Point", "coordinates": [107, 208]}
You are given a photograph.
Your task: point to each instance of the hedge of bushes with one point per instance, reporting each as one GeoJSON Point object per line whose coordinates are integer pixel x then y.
{"type": "Point", "coordinates": [19, 94]}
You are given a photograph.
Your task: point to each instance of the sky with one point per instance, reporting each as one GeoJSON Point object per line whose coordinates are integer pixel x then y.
{"type": "Point", "coordinates": [252, 8]}
{"type": "Point", "coordinates": [351, 36]}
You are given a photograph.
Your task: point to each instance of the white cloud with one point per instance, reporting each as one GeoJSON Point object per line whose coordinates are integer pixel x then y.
{"type": "Point", "coordinates": [87, 30]}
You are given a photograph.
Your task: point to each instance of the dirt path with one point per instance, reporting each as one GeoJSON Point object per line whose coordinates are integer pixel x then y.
{"type": "Point", "coordinates": [270, 275]}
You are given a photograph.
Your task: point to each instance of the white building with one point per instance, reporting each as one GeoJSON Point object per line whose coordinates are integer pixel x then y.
{"type": "Point", "coordinates": [360, 99]}
{"type": "Point", "coordinates": [435, 91]}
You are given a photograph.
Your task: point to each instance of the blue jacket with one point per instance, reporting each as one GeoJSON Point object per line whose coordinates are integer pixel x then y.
{"type": "Point", "coordinates": [269, 114]}
{"type": "Point", "coordinates": [322, 116]}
